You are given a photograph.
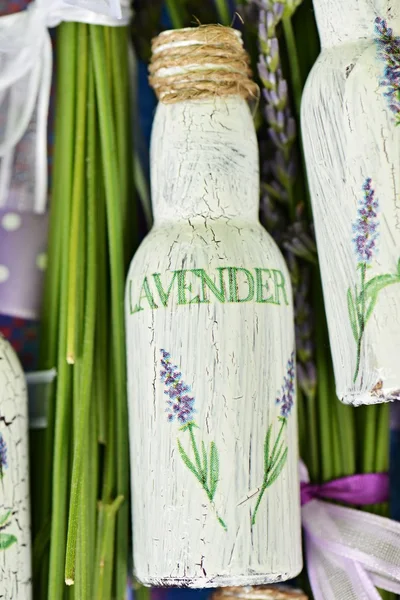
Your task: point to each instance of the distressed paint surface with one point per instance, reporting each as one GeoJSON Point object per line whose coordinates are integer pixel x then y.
{"type": "Point", "coordinates": [231, 358]}
{"type": "Point", "coordinates": [15, 555]}
{"type": "Point", "coordinates": [351, 141]}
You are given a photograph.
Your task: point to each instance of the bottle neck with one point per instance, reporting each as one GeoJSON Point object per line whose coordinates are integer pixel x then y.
{"type": "Point", "coordinates": [204, 160]}
{"type": "Point", "coordinates": [345, 21]}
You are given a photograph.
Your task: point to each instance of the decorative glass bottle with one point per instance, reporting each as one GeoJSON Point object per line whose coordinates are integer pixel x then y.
{"type": "Point", "coordinates": [15, 542]}
{"type": "Point", "coordinates": [351, 106]}
{"type": "Point", "coordinates": [210, 339]}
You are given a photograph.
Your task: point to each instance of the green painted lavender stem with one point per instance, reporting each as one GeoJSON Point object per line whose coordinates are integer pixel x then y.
{"type": "Point", "coordinates": [361, 320]}
{"type": "Point", "coordinates": [116, 254]}
{"type": "Point", "coordinates": [61, 194]}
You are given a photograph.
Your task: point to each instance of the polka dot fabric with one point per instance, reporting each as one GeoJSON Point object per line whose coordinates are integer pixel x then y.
{"type": "Point", "coordinates": [22, 262]}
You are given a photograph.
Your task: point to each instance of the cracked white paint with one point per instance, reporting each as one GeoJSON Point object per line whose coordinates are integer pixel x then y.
{"type": "Point", "coordinates": [349, 135]}
{"type": "Point", "coordinates": [15, 561]}
{"type": "Point", "coordinates": [205, 188]}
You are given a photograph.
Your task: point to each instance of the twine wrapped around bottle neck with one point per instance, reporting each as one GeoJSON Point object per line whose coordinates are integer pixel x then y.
{"type": "Point", "coordinates": [200, 62]}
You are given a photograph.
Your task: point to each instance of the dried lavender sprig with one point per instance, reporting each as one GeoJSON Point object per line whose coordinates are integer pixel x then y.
{"type": "Point", "coordinates": [295, 238]}
{"type": "Point", "coordinates": [299, 240]}
{"type": "Point", "coordinates": [304, 326]}
{"type": "Point", "coordinates": [282, 128]}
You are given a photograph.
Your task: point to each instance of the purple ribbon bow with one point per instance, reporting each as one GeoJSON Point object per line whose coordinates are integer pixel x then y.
{"type": "Point", "coordinates": [349, 552]}
{"type": "Point", "coordinates": [358, 490]}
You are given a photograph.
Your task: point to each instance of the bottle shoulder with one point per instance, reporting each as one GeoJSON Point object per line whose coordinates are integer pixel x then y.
{"type": "Point", "coordinates": [205, 242]}
{"type": "Point", "coordinates": [343, 74]}
{"type": "Point", "coordinates": [344, 58]}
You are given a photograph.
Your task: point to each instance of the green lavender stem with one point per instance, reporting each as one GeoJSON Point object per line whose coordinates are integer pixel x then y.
{"type": "Point", "coordinates": [116, 250]}
{"type": "Point", "coordinates": [295, 72]}
{"type": "Point", "coordinates": [361, 319]}
{"type": "Point", "coordinates": [224, 15]}
{"type": "Point", "coordinates": [62, 195]}
{"type": "Point", "coordinates": [86, 370]}
{"type": "Point", "coordinates": [175, 9]}
{"type": "Point", "coordinates": [206, 473]}
{"type": "Point", "coordinates": [273, 464]}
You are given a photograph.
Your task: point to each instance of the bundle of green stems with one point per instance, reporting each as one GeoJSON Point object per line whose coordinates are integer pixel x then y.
{"type": "Point", "coordinates": [81, 471]}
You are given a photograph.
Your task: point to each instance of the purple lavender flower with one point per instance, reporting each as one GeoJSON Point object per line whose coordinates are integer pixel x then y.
{"type": "Point", "coordinates": [180, 404]}
{"type": "Point", "coordinates": [365, 228]}
{"type": "Point", "coordinates": [3, 456]}
{"type": "Point", "coordinates": [389, 51]}
{"type": "Point", "coordinates": [287, 394]}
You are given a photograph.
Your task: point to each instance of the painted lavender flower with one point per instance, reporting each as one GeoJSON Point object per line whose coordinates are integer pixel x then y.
{"type": "Point", "coordinates": [275, 459]}
{"type": "Point", "coordinates": [361, 302]}
{"type": "Point", "coordinates": [179, 403]}
{"type": "Point", "coordinates": [3, 456]}
{"type": "Point", "coordinates": [389, 52]}
{"type": "Point", "coordinates": [6, 539]}
{"type": "Point", "coordinates": [365, 228]}
{"type": "Point", "coordinates": [180, 406]}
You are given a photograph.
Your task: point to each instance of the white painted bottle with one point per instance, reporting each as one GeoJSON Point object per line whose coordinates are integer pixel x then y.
{"type": "Point", "coordinates": [15, 541]}
{"type": "Point", "coordinates": [352, 146]}
{"type": "Point", "coordinates": [210, 339]}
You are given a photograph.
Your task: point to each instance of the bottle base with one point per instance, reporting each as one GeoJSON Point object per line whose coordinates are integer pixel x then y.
{"type": "Point", "coordinates": [217, 580]}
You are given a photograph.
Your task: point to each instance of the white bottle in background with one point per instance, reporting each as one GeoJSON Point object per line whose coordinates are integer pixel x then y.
{"type": "Point", "coordinates": [15, 534]}
{"type": "Point", "coordinates": [350, 108]}
{"type": "Point", "coordinates": [211, 375]}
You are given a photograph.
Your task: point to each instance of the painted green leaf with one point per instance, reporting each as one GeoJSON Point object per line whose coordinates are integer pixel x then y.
{"type": "Point", "coordinates": [221, 522]}
{"type": "Point", "coordinates": [214, 469]}
{"type": "Point", "coordinates": [4, 518]}
{"type": "Point", "coordinates": [267, 444]}
{"type": "Point", "coordinates": [205, 462]}
{"type": "Point", "coordinates": [277, 471]}
{"type": "Point", "coordinates": [276, 460]}
{"type": "Point", "coordinates": [276, 445]}
{"type": "Point", "coordinates": [352, 314]}
{"type": "Point", "coordinates": [6, 540]}
{"type": "Point", "coordinates": [188, 462]}
{"type": "Point", "coordinates": [376, 284]}
{"type": "Point", "coordinates": [370, 305]}
{"type": "Point", "coordinates": [372, 289]}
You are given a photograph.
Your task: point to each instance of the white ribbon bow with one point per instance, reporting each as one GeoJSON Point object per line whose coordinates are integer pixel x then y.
{"type": "Point", "coordinates": [349, 553]}
{"type": "Point", "coordinates": [25, 81]}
